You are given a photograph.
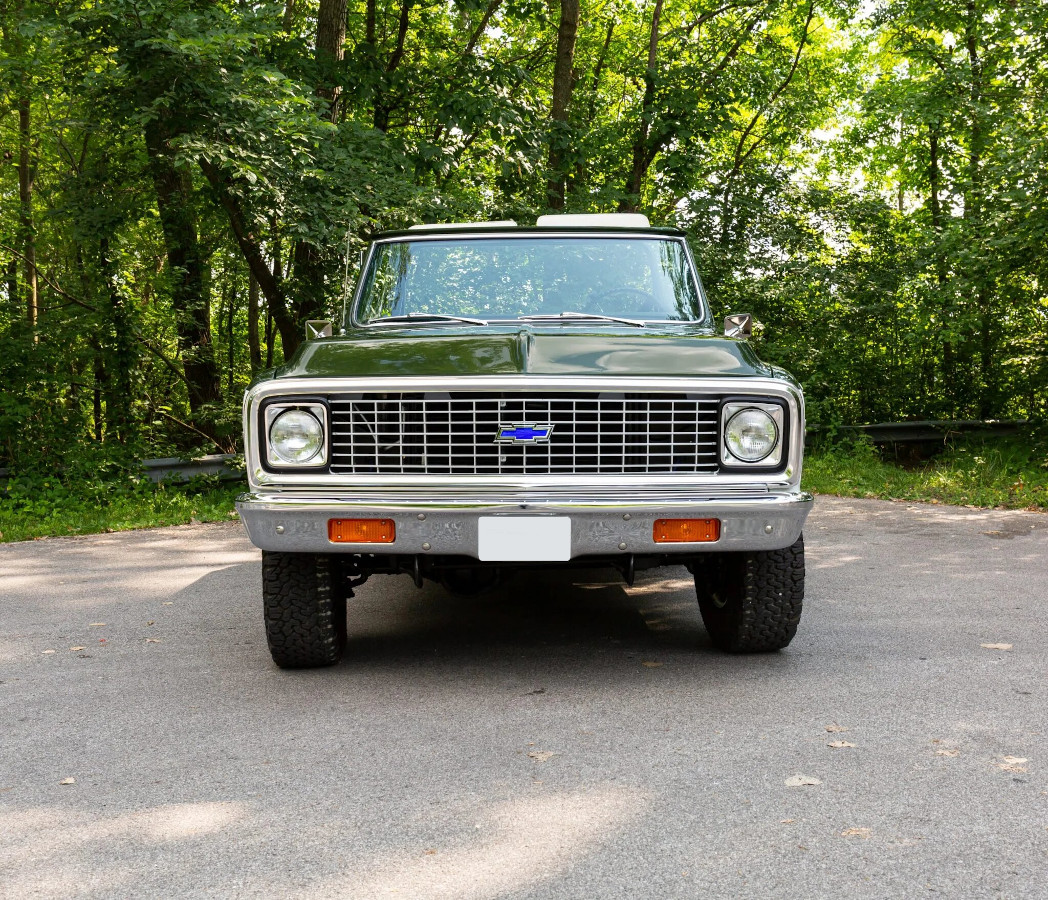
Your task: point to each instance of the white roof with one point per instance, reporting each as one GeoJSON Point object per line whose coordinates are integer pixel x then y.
{"type": "Point", "coordinates": [594, 220]}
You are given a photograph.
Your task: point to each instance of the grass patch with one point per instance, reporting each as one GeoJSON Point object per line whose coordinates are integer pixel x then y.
{"type": "Point", "coordinates": [1008, 474]}
{"type": "Point", "coordinates": [34, 508]}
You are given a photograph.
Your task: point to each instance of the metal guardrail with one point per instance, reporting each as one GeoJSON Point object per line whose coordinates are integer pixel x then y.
{"type": "Point", "coordinates": [181, 470]}
{"type": "Point", "coordinates": [172, 468]}
{"type": "Point", "coordinates": [924, 432]}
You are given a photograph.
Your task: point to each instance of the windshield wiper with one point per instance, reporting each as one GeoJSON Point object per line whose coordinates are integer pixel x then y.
{"type": "Point", "coordinates": [560, 317]}
{"type": "Point", "coordinates": [423, 317]}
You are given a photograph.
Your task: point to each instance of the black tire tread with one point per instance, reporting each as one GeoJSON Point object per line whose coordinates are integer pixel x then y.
{"type": "Point", "coordinates": [305, 613]}
{"type": "Point", "coordinates": [762, 593]}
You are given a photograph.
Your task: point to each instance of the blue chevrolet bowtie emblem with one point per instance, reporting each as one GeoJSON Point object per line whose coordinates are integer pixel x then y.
{"type": "Point", "coordinates": [524, 434]}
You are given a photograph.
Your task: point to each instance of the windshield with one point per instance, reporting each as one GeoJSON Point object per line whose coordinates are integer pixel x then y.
{"type": "Point", "coordinates": [505, 278]}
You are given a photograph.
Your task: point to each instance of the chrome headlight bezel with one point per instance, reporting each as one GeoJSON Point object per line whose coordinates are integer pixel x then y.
{"type": "Point", "coordinates": [777, 412]}
{"type": "Point", "coordinates": [271, 412]}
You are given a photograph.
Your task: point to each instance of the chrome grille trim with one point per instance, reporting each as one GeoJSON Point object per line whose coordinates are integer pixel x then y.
{"type": "Point", "coordinates": [454, 433]}
{"type": "Point", "coordinates": [323, 484]}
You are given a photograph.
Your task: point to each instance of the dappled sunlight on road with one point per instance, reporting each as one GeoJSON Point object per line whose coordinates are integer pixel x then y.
{"type": "Point", "coordinates": [153, 558]}
{"type": "Point", "coordinates": [51, 851]}
{"type": "Point", "coordinates": [549, 738]}
{"type": "Point", "coordinates": [515, 845]}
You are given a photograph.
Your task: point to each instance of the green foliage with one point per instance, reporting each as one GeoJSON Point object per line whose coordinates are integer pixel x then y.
{"type": "Point", "coordinates": [871, 180]}
{"type": "Point", "coordinates": [107, 501]}
{"type": "Point", "coordinates": [1011, 474]}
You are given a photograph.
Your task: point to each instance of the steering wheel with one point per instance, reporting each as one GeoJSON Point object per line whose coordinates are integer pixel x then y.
{"type": "Point", "coordinates": [650, 302]}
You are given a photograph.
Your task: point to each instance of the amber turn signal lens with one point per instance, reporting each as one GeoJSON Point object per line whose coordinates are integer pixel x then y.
{"type": "Point", "coordinates": [362, 531]}
{"type": "Point", "coordinates": [685, 531]}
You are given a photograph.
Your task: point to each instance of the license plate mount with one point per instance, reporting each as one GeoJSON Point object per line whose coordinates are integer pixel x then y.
{"type": "Point", "coordinates": [524, 538]}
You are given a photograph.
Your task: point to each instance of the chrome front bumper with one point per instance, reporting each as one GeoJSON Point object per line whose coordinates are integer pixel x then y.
{"type": "Point", "coordinates": [599, 527]}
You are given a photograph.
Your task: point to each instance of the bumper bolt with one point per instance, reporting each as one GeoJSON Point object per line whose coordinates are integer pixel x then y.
{"type": "Point", "coordinates": [626, 517]}
{"type": "Point", "coordinates": [622, 546]}
{"type": "Point", "coordinates": [425, 546]}
{"type": "Point", "coordinates": [768, 529]}
{"type": "Point", "coordinates": [279, 529]}
{"type": "Point", "coordinates": [422, 517]}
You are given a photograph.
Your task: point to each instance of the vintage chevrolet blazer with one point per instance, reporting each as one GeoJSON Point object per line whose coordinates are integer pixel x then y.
{"type": "Point", "coordinates": [500, 397]}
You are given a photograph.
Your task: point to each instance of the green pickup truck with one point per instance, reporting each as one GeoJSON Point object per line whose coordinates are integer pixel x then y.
{"type": "Point", "coordinates": [501, 397]}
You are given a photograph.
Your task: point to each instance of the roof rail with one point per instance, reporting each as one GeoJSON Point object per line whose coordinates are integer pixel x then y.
{"type": "Point", "coordinates": [596, 220]}
{"type": "Point", "coordinates": [436, 226]}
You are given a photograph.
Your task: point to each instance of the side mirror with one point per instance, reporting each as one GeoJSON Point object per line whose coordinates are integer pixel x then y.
{"type": "Point", "coordinates": [318, 328]}
{"type": "Point", "coordinates": [738, 326]}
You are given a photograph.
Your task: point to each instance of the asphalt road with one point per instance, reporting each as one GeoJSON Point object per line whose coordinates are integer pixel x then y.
{"type": "Point", "coordinates": [553, 741]}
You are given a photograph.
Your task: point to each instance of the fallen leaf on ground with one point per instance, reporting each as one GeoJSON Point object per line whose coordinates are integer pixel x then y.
{"type": "Point", "coordinates": [429, 852]}
{"type": "Point", "coordinates": [1013, 764]}
{"type": "Point", "coordinates": [541, 755]}
{"type": "Point", "coordinates": [150, 623]}
{"type": "Point", "coordinates": [802, 781]}
{"type": "Point", "coordinates": [996, 646]}
{"type": "Point", "coordinates": [76, 649]}
{"type": "Point", "coordinates": [856, 832]}
{"type": "Point", "coordinates": [835, 729]}
{"type": "Point", "coordinates": [68, 781]}
{"type": "Point", "coordinates": [97, 625]}
{"type": "Point", "coordinates": [47, 651]}
{"type": "Point", "coordinates": [651, 664]}
{"type": "Point", "coordinates": [787, 821]}
{"type": "Point", "coordinates": [840, 745]}
{"type": "Point", "coordinates": [153, 640]}
{"type": "Point", "coordinates": [948, 752]}
{"type": "Point", "coordinates": [169, 603]}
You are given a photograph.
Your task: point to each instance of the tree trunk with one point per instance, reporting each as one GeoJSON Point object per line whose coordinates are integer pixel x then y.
{"type": "Point", "coordinates": [941, 277]}
{"type": "Point", "coordinates": [11, 280]}
{"type": "Point", "coordinates": [563, 84]}
{"type": "Point", "coordinates": [309, 281]}
{"type": "Point", "coordinates": [99, 387]}
{"type": "Point", "coordinates": [254, 349]}
{"type": "Point", "coordinates": [188, 294]}
{"type": "Point", "coordinates": [122, 357]}
{"type": "Point", "coordinates": [973, 214]}
{"type": "Point", "coordinates": [270, 281]}
{"type": "Point", "coordinates": [330, 49]}
{"type": "Point", "coordinates": [270, 335]}
{"type": "Point", "coordinates": [383, 103]}
{"type": "Point", "coordinates": [26, 178]}
{"type": "Point", "coordinates": [369, 23]}
{"type": "Point", "coordinates": [642, 156]}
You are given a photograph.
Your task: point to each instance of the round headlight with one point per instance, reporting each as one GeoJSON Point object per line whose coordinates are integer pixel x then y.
{"type": "Point", "coordinates": [296, 436]}
{"type": "Point", "coordinates": [751, 434]}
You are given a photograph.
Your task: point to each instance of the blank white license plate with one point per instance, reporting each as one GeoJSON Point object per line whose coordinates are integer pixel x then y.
{"type": "Point", "coordinates": [524, 538]}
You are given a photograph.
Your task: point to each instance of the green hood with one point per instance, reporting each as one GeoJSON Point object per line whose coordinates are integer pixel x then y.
{"type": "Point", "coordinates": [524, 350]}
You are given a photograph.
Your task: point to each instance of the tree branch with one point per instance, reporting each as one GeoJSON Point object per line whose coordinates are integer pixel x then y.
{"type": "Point", "coordinates": [741, 157]}
{"type": "Point", "coordinates": [47, 280]}
{"type": "Point", "coordinates": [478, 32]}
{"type": "Point", "coordinates": [402, 33]}
{"type": "Point", "coordinates": [193, 428]}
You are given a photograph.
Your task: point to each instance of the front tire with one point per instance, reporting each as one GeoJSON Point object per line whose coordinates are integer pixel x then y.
{"type": "Point", "coordinates": [305, 609]}
{"type": "Point", "coordinates": [751, 601]}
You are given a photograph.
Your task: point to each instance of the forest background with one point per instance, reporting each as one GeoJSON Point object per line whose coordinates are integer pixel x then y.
{"type": "Point", "coordinates": [184, 183]}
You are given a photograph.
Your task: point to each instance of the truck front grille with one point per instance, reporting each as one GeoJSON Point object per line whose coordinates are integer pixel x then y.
{"type": "Point", "coordinates": [457, 433]}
